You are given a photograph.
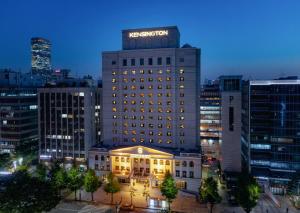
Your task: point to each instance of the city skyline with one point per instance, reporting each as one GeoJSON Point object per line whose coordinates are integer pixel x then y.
{"type": "Point", "coordinates": [258, 40]}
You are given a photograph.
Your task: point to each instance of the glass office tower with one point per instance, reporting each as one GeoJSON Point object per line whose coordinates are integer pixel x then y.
{"type": "Point", "coordinates": [271, 133]}
{"type": "Point", "coordinates": [40, 56]}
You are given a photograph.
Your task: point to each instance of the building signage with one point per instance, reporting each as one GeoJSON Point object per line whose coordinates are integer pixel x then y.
{"type": "Point", "coordinates": [153, 33]}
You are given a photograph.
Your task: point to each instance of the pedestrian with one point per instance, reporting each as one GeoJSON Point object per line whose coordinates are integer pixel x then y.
{"type": "Point", "coordinates": [287, 210]}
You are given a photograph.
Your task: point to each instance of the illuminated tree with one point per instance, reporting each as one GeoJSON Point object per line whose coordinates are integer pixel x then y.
{"type": "Point", "coordinates": [168, 189]}
{"type": "Point", "coordinates": [91, 182]}
{"type": "Point", "coordinates": [112, 186]}
{"type": "Point", "coordinates": [75, 180]}
{"type": "Point", "coordinates": [209, 192]}
{"type": "Point", "coordinates": [248, 192]}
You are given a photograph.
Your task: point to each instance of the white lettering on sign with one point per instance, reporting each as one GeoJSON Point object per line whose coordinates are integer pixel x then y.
{"type": "Point", "coordinates": [148, 33]}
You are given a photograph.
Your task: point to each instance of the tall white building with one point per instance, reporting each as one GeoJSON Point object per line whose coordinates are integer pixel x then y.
{"type": "Point", "coordinates": [151, 108]}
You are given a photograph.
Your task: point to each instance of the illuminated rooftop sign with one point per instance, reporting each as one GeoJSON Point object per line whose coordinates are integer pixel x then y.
{"type": "Point", "coordinates": [153, 33]}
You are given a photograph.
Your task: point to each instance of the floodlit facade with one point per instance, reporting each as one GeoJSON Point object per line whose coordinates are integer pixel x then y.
{"type": "Point", "coordinates": [40, 56]}
{"type": "Point", "coordinates": [210, 120]}
{"type": "Point", "coordinates": [151, 105]}
{"type": "Point", "coordinates": [271, 132]}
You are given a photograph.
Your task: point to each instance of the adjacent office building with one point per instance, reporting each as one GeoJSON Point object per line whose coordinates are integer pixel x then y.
{"type": "Point", "coordinates": [18, 111]}
{"type": "Point", "coordinates": [210, 120]}
{"type": "Point", "coordinates": [68, 121]}
{"type": "Point", "coordinates": [151, 109]}
{"type": "Point", "coordinates": [231, 122]}
{"type": "Point", "coordinates": [271, 131]}
{"type": "Point", "coordinates": [40, 56]}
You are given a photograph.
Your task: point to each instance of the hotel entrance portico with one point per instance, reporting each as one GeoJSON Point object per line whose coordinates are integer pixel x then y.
{"type": "Point", "coordinates": [140, 164]}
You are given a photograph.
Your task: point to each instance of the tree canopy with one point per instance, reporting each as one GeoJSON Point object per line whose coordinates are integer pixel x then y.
{"type": "Point", "coordinates": [168, 188]}
{"type": "Point", "coordinates": [91, 182]}
{"type": "Point", "coordinates": [112, 186]}
{"type": "Point", "coordinates": [248, 192]}
{"type": "Point", "coordinates": [209, 192]}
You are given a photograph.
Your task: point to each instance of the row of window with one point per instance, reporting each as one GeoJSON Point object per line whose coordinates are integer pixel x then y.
{"type": "Point", "coordinates": [142, 102]}
{"type": "Point", "coordinates": [132, 61]}
{"type": "Point", "coordinates": [184, 174]}
{"type": "Point", "coordinates": [133, 87]}
{"type": "Point", "coordinates": [133, 72]}
{"type": "Point", "coordinates": [142, 140]}
{"type": "Point", "coordinates": [168, 125]}
{"type": "Point", "coordinates": [150, 95]}
{"type": "Point", "coordinates": [159, 79]}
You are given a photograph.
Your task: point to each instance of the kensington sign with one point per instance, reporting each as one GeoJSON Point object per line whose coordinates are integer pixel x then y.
{"type": "Point", "coordinates": [153, 33]}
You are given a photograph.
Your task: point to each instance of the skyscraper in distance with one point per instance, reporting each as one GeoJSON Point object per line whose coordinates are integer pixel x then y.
{"type": "Point", "coordinates": [40, 56]}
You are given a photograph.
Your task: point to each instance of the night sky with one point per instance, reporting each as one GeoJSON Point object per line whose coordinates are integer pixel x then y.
{"type": "Point", "coordinates": [257, 38]}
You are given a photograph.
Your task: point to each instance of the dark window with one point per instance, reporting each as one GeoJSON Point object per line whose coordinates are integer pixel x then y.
{"type": "Point", "coordinates": [141, 61]}
{"type": "Point", "coordinates": [124, 62]}
{"type": "Point", "coordinates": [159, 61]}
{"type": "Point", "coordinates": [181, 60]}
{"type": "Point", "coordinates": [150, 61]}
{"type": "Point", "coordinates": [177, 173]}
{"type": "Point", "coordinates": [184, 174]}
{"type": "Point", "coordinates": [96, 157]}
{"type": "Point", "coordinates": [168, 61]}
{"type": "Point", "coordinates": [132, 62]}
{"type": "Point", "coordinates": [231, 118]}
{"type": "Point", "coordinates": [191, 174]}
{"type": "Point", "coordinates": [113, 62]}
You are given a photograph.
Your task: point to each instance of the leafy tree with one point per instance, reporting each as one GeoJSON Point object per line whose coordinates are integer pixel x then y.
{"type": "Point", "coordinates": [59, 179]}
{"type": "Point", "coordinates": [75, 180]}
{"type": "Point", "coordinates": [91, 182]}
{"type": "Point", "coordinates": [41, 171]}
{"type": "Point", "coordinates": [248, 192]}
{"type": "Point", "coordinates": [209, 192]}
{"type": "Point", "coordinates": [293, 190]}
{"type": "Point", "coordinates": [5, 160]}
{"type": "Point", "coordinates": [168, 188]}
{"type": "Point", "coordinates": [112, 186]}
{"type": "Point", "coordinates": [23, 193]}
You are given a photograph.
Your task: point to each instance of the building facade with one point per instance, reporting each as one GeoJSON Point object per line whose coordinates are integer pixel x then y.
{"type": "Point", "coordinates": [40, 56]}
{"type": "Point", "coordinates": [18, 118]}
{"type": "Point", "coordinates": [210, 120]}
{"type": "Point", "coordinates": [150, 101]}
{"type": "Point", "coordinates": [271, 133]}
{"type": "Point", "coordinates": [67, 122]}
{"type": "Point", "coordinates": [231, 123]}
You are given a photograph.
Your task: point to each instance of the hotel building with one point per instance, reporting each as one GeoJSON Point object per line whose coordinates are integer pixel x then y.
{"type": "Point", "coordinates": [271, 131]}
{"type": "Point", "coordinates": [151, 109]}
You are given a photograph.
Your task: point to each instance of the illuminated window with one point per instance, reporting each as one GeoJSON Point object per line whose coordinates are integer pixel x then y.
{"type": "Point", "coordinates": [142, 110]}
{"type": "Point", "coordinates": [160, 110]}
{"type": "Point", "coordinates": [114, 102]}
{"type": "Point", "coordinates": [125, 72]}
{"type": "Point", "coordinates": [133, 80]}
{"type": "Point", "coordinates": [159, 102]}
{"type": "Point", "coordinates": [125, 102]}
{"type": "Point", "coordinates": [150, 87]}
{"type": "Point", "coordinates": [160, 134]}
{"type": "Point", "coordinates": [169, 126]}
{"type": "Point", "coordinates": [133, 72]}
{"type": "Point", "coordinates": [169, 134]}
{"type": "Point", "coordinates": [113, 73]}
{"type": "Point", "coordinates": [142, 71]}
{"type": "Point", "coordinates": [159, 125]}
{"type": "Point", "coordinates": [160, 72]}
{"type": "Point", "coordinates": [133, 139]}
{"type": "Point", "coordinates": [181, 71]}
{"type": "Point", "coordinates": [181, 118]}
{"type": "Point", "coordinates": [150, 79]}
{"type": "Point", "coordinates": [113, 80]}
{"type": "Point", "coordinates": [161, 162]}
{"type": "Point", "coordinates": [181, 86]}
{"type": "Point", "coordinates": [132, 94]}
{"type": "Point", "coordinates": [159, 95]}
{"type": "Point", "coordinates": [142, 125]}
{"type": "Point", "coordinates": [142, 95]}
{"type": "Point", "coordinates": [150, 95]}
{"type": "Point", "coordinates": [181, 102]}
{"type": "Point", "coordinates": [151, 102]}
{"type": "Point", "coordinates": [159, 79]}
{"type": "Point", "coordinates": [181, 126]}
{"type": "Point", "coordinates": [125, 95]}
{"type": "Point", "coordinates": [114, 88]}
{"type": "Point", "coordinates": [150, 109]}
{"type": "Point", "coordinates": [159, 117]}
{"type": "Point", "coordinates": [142, 117]}
{"type": "Point", "coordinates": [168, 71]}
{"type": "Point", "coordinates": [151, 141]}
{"type": "Point", "coordinates": [133, 87]}
{"type": "Point", "coordinates": [155, 162]}
{"type": "Point", "coordinates": [181, 110]}
{"type": "Point", "coordinates": [151, 126]}
{"type": "Point", "coordinates": [181, 79]}
{"type": "Point", "coordinates": [159, 141]}
{"type": "Point", "coordinates": [169, 118]}
{"type": "Point", "coordinates": [151, 133]}
{"type": "Point", "coordinates": [169, 141]}
{"type": "Point", "coordinates": [133, 102]}
{"type": "Point", "coordinates": [168, 94]}
{"type": "Point", "coordinates": [125, 80]}
{"type": "Point", "coordinates": [142, 80]}
{"type": "Point", "coordinates": [114, 109]}
{"type": "Point", "coordinates": [168, 110]}
{"type": "Point", "coordinates": [159, 87]}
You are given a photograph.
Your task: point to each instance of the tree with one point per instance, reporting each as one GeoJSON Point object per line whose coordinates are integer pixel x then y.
{"type": "Point", "coordinates": [248, 192]}
{"type": "Point", "coordinates": [41, 171]}
{"type": "Point", "coordinates": [5, 160]}
{"type": "Point", "coordinates": [23, 193]}
{"type": "Point", "coordinates": [59, 179]}
{"type": "Point", "coordinates": [74, 179]}
{"type": "Point", "coordinates": [132, 194]}
{"type": "Point", "coordinates": [209, 192]}
{"type": "Point", "coordinates": [293, 190]}
{"type": "Point", "coordinates": [112, 186]}
{"type": "Point", "coordinates": [168, 189]}
{"type": "Point", "coordinates": [91, 182]}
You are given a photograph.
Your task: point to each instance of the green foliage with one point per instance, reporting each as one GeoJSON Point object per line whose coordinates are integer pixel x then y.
{"type": "Point", "coordinates": [74, 179]}
{"type": "Point", "coordinates": [41, 171]}
{"type": "Point", "coordinates": [209, 192]}
{"type": "Point", "coordinates": [5, 160]}
{"type": "Point", "coordinates": [60, 179]}
{"type": "Point", "coordinates": [248, 192]}
{"type": "Point", "coordinates": [293, 188]}
{"type": "Point", "coordinates": [168, 188]}
{"type": "Point", "coordinates": [112, 186]}
{"type": "Point", "coordinates": [91, 182]}
{"type": "Point", "coordinates": [24, 193]}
